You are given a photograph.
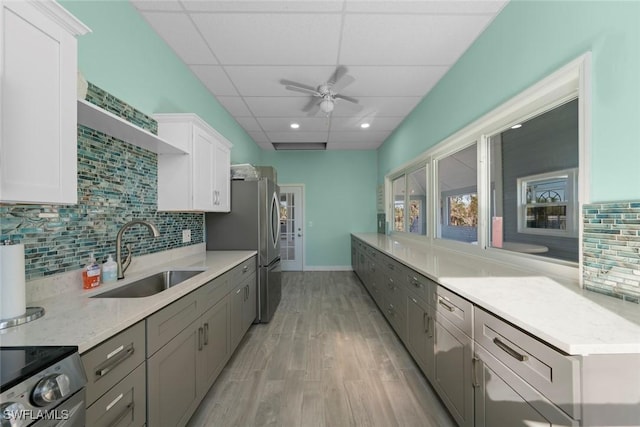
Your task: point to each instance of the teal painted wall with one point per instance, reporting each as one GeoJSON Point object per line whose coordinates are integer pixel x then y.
{"type": "Point", "coordinates": [525, 43]}
{"type": "Point", "coordinates": [340, 198]}
{"type": "Point", "coordinates": [124, 56]}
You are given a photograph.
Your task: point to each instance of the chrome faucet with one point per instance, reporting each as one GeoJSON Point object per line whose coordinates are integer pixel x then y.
{"type": "Point", "coordinates": [123, 267]}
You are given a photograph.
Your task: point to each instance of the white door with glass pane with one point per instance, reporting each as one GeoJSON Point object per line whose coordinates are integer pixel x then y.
{"type": "Point", "coordinates": [291, 227]}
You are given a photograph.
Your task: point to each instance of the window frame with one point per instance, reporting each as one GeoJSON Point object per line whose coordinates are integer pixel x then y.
{"type": "Point", "coordinates": [572, 81]}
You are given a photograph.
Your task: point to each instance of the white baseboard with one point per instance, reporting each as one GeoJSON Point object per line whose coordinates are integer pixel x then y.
{"type": "Point", "coordinates": [328, 268]}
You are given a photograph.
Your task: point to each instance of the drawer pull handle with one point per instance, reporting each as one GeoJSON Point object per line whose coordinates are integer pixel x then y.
{"type": "Point", "coordinates": [430, 326]}
{"type": "Point", "coordinates": [206, 333]}
{"type": "Point", "coordinates": [415, 301]}
{"type": "Point", "coordinates": [124, 414]}
{"type": "Point", "coordinates": [425, 323]}
{"type": "Point", "coordinates": [416, 283]}
{"type": "Point", "coordinates": [511, 352]}
{"type": "Point", "coordinates": [115, 361]}
{"type": "Point", "coordinates": [245, 268]}
{"type": "Point", "coordinates": [200, 333]}
{"type": "Point", "coordinates": [113, 402]}
{"type": "Point", "coordinates": [445, 305]}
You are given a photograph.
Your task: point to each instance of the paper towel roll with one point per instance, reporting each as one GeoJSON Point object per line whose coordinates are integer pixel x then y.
{"type": "Point", "coordinates": [12, 283]}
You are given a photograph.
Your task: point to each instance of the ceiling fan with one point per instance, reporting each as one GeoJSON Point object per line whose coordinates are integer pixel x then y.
{"type": "Point", "coordinates": [326, 94]}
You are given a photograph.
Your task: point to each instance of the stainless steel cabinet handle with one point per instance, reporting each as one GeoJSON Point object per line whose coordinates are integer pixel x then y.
{"type": "Point", "coordinates": [238, 291]}
{"type": "Point", "coordinates": [414, 300]}
{"type": "Point", "coordinates": [109, 364]}
{"type": "Point", "coordinates": [425, 322]}
{"type": "Point", "coordinates": [206, 333]}
{"type": "Point", "coordinates": [123, 415]}
{"type": "Point", "coordinates": [445, 305]}
{"type": "Point", "coordinates": [511, 352]}
{"type": "Point", "coordinates": [200, 333]}
{"type": "Point", "coordinates": [474, 367]}
{"type": "Point", "coordinates": [430, 328]}
{"type": "Point", "coordinates": [245, 268]}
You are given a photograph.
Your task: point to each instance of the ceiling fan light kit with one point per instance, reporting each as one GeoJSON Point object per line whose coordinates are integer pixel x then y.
{"type": "Point", "coordinates": [325, 95]}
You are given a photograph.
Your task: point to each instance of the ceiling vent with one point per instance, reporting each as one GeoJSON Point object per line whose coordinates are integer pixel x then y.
{"type": "Point", "coordinates": [299, 145]}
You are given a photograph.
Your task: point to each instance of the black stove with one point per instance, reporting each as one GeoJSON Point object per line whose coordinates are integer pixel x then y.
{"type": "Point", "coordinates": [42, 386]}
{"type": "Point", "coordinates": [20, 363]}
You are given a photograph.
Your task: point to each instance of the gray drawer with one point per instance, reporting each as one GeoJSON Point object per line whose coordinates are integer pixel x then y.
{"type": "Point", "coordinates": [421, 286]}
{"type": "Point", "coordinates": [122, 406]}
{"type": "Point", "coordinates": [243, 270]}
{"type": "Point", "coordinates": [165, 324]}
{"type": "Point", "coordinates": [209, 294]}
{"type": "Point", "coordinates": [455, 309]}
{"type": "Point", "coordinates": [555, 375]}
{"type": "Point", "coordinates": [108, 363]}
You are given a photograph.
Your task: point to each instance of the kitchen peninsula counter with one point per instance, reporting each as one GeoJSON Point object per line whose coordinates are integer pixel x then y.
{"type": "Point", "coordinates": [574, 320]}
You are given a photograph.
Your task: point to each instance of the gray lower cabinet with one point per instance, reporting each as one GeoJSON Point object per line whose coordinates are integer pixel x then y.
{"type": "Point", "coordinates": [172, 379]}
{"type": "Point", "coordinates": [421, 334]}
{"type": "Point", "coordinates": [214, 345]}
{"type": "Point", "coordinates": [243, 309]}
{"type": "Point", "coordinates": [453, 351]}
{"type": "Point", "coordinates": [502, 398]}
{"type": "Point", "coordinates": [116, 389]}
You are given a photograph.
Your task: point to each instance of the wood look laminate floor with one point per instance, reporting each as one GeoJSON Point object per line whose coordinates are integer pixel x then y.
{"type": "Point", "coordinates": [327, 358]}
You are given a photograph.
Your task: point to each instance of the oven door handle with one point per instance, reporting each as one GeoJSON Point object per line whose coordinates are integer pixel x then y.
{"type": "Point", "coordinates": [115, 361]}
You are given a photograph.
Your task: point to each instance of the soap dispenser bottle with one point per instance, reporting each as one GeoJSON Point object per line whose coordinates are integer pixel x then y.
{"type": "Point", "coordinates": [91, 274]}
{"type": "Point", "coordinates": [109, 270]}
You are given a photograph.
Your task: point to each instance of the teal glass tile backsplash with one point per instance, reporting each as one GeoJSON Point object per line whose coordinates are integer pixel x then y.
{"type": "Point", "coordinates": [117, 182]}
{"type": "Point", "coordinates": [611, 249]}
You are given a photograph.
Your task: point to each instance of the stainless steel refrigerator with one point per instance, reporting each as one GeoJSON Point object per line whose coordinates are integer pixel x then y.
{"type": "Point", "coordinates": [253, 224]}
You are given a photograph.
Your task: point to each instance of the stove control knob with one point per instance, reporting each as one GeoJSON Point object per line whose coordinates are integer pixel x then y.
{"type": "Point", "coordinates": [12, 415]}
{"type": "Point", "coordinates": [51, 388]}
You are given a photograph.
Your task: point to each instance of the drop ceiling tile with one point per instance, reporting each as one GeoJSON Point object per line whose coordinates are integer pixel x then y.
{"type": "Point", "coordinates": [265, 146]}
{"type": "Point", "coordinates": [390, 106]}
{"type": "Point", "coordinates": [277, 106]}
{"type": "Point", "coordinates": [271, 38]}
{"type": "Point", "coordinates": [158, 5]}
{"type": "Point", "coordinates": [342, 124]}
{"type": "Point", "coordinates": [234, 105]}
{"type": "Point", "coordinates": [362, 136]}
{"type": "Point", "coordinates": [393, 81]}
{"type": "Point", "coordinates": [215, 79]}
{"type": "Point", "coordinates": [265, 80]}
{"type": "Point", "coordinates": [298, 136]}
{"type": "Point", "coordinates": [434, 7]}
{"type": "Point", "coordinates": [414, 39]}
{"type": "Point", "coordinates": [282, 124]}
{"type": "Point", "coordinates": [259, 137]}
{"type": "Point", "coordinates": [179, 33]}
{"type": "Point", "coordinates": [249, 124]}
{"type": "Point", "coordinates": [264, 6]}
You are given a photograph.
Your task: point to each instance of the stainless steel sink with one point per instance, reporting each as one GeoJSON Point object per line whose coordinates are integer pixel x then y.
{"type": "Point", "coordinates": [150, 285]}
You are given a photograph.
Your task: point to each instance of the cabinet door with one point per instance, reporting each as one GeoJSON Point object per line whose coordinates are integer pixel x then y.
{"type": "Point", "coordinates": [214, 346]}
{"type": "Point", "coordinates": [204, 196]}
{"type": "Point", "coordinates": [504, 399]}
{"type": "Point", "coordinates": [237, 297]}
{"type": "Point", "coordinates": [250, 304]}
{"type": "Point", "coordinates": [222, 177]}
{"type": "Point", "coordinates": [420, 334]}
{"type": "Point", "coordinates": [172, 378]}
{"type": "Point", "coordinates": [452, 370]}
{"type": "Point", "coordinates": [38, 138]}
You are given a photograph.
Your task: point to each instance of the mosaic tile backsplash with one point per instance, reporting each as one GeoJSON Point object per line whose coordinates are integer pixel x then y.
{"type": "Point", "coordinates": [117, 182]}
{"type": "Point", "coordinates": [611, 249]}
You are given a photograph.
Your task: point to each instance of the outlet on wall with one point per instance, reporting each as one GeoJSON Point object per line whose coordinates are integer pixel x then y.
{"type": "Point", "coordinates": [186, 236]}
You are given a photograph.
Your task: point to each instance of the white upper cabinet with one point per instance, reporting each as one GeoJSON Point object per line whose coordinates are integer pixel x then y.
{"type": "Point", "coordinates": [38, 118]}
{"type": "Point", "coordinates": [199, 180]}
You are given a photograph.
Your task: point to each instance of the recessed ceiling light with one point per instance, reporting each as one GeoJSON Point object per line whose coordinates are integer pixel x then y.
{"type": "Point", "coordinates": [519, 125]}
{"type": "Point", "coordinates": [295, 125]}
{"type": "Point", "coordinates": [365, 125]}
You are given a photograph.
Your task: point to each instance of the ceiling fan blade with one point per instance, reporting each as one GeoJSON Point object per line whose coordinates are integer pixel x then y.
{"type": "Point", "coordinates": [303, 90]}
{"type": "Point", "coordinates": [313, 110]}
{"type": "Point", "coordinates": [347, 98]}
{"type": "Point", "coordinates": [345, 81]}
{"type": "Point", "coordinates": [296, 84]}
{"type": "Point", "coordinates": [313, 103]}
{"type": "Point", "coordinates": [337, 75]}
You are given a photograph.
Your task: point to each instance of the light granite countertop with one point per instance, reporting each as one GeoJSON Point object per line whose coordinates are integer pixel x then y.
{"type": "Point", "coordinates": [74, 318]}
{"type": "Point", "coordinates": [574, 320]}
